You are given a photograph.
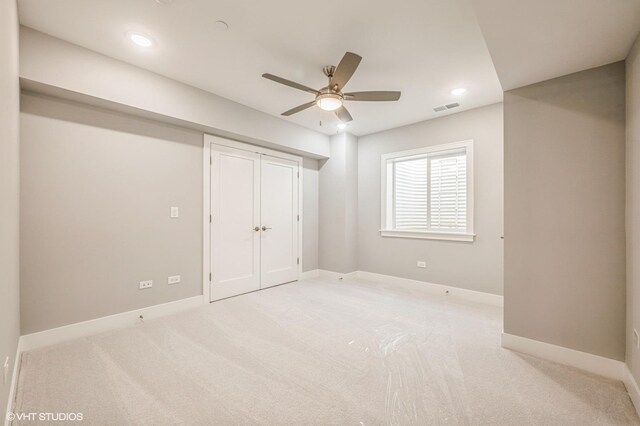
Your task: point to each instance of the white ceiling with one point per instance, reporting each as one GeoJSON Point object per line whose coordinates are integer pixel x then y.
{"type": "Point", "coordinates": [532, 41]}
{"type": "Point", "coordinates": [424, 48]}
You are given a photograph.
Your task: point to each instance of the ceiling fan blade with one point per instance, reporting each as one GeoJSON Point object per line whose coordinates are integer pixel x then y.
{"type": "Point", "coordinates": [372, 96]}
{"type": "Point", "coordinates": [343, 114]}
{"type": "Point", "coordinates": [345, 69]}
{"type": "Point", "coordinates": [299, 108]}
{"type": "Point", "coordinates": [290, 83]}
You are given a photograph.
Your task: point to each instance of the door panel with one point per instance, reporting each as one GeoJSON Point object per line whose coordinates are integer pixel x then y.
{"type": "Point", "coordinates": [279, 215]}
{"type": "Point", "coordinates": [235, 209]}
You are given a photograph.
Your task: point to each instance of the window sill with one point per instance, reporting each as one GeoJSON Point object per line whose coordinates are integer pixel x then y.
{"type": "Point", "coordinates": [448, 236]}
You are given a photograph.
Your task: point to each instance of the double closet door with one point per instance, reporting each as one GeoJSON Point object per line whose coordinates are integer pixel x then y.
{"type": "Point", "coordinates": [254, 221]}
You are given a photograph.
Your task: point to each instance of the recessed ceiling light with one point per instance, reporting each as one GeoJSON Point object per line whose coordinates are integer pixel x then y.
{"type": "Point", "coordinates": [164, 1]}
{"type": "Point", "coordinates": [221, 26]}
{"type": "Point", "coordinates": [139, 39]}
{"type": "Point", "coordinates": [342, 126]}
{"type": "Point", "coordinates": [459, 91]}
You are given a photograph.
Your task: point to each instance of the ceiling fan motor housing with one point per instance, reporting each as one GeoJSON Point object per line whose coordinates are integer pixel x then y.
{"type": "Point", "coordinates": [329, 70]}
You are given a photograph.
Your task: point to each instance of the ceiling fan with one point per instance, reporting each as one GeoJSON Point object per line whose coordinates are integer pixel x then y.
{"type": "Point", "coordinates": [331, 97]}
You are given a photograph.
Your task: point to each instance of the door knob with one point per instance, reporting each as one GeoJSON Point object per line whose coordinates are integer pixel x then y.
{"type": "Point", "coordinates": [257, 228]}
{"type": "Point", "coordinates": [264, 228]}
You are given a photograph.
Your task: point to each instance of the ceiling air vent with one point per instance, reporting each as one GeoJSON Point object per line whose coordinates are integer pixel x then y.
{"type": "Point", "coordinates": [446, 107]}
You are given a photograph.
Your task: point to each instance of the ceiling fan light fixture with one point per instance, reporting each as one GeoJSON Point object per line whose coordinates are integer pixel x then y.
{"type": "Point", "coordinates": [329, 101]}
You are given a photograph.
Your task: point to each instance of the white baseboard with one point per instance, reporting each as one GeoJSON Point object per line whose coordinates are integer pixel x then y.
{"type": "Point", "coordinates": [330, 275]}
{"type": "Point", "coordinates": [475, 296]}
{"type": "Point", "coordinates": [315, 273]}
{"type": "Point", "coordinates": [606, 367]}
{"type": "Point", "coordinates": [111, 322]}
{"type": "Point", "coordinates": [632, 388]}
{"type": "Point", "coordinates": [595, 364]}
{"type": "Point", "coordinates": [14, 382]}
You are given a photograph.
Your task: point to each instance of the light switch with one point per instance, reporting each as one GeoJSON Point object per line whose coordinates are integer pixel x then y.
{"type": "Point", "coordinates": [175, 212]}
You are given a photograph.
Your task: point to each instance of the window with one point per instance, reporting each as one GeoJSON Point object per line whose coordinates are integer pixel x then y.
{"type": "Point", "coordinates": [428, 193]}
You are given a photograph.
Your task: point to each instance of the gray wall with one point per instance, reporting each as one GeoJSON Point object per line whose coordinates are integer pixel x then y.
{"type": "Point", "coordinates": [338, 206]}
{"type": "Point", "coordinates": [633, 205]}
{"type": "Point", "coordinates": [475, 266]}
{"type": "Point", "coordinates": [564, 211]}
{"type": "Point", "coordinates": [9, 186]}
{"type": "Point", "coordinates": [96, 192]}
{"type": "Point", "coordinates": [351, 204]}
{"type": "Point", "coordinates": [310, 214]}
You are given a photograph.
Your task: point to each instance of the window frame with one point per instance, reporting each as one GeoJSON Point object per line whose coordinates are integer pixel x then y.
{"type": "Point", "coordinates": [386, 182]}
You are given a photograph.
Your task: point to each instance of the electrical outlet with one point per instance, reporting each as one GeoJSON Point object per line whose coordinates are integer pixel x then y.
{"type": "Point", "coordinates": [422, 264]}
{"type": "Point", "coordinates": [175, 212]}
{"type": "Point", "coordinates": [636, 338]}
{"type": "Point", "coordinates": [5, 371]}
{"type": "Point", "coordinates": [173, 280]}
{"type": "Point", "coordinates": [146, 284]}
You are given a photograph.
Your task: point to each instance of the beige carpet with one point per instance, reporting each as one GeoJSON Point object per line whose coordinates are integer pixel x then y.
{"type": "Point", "coordinates": [320, 353]}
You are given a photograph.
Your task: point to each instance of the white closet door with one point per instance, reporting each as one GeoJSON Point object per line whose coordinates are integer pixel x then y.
{"type": "Point", "coordinates": [235, 211]}
{"type": "Point", "coordinates": [279, 214]}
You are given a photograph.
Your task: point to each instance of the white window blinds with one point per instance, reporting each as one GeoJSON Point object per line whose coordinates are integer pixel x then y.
{"type": "Point", "coordinates": [448, 192]}
{"type": "Point", "coordinates": [429, 192]}
{"type": "Point", "coordinates": [410, 193]}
